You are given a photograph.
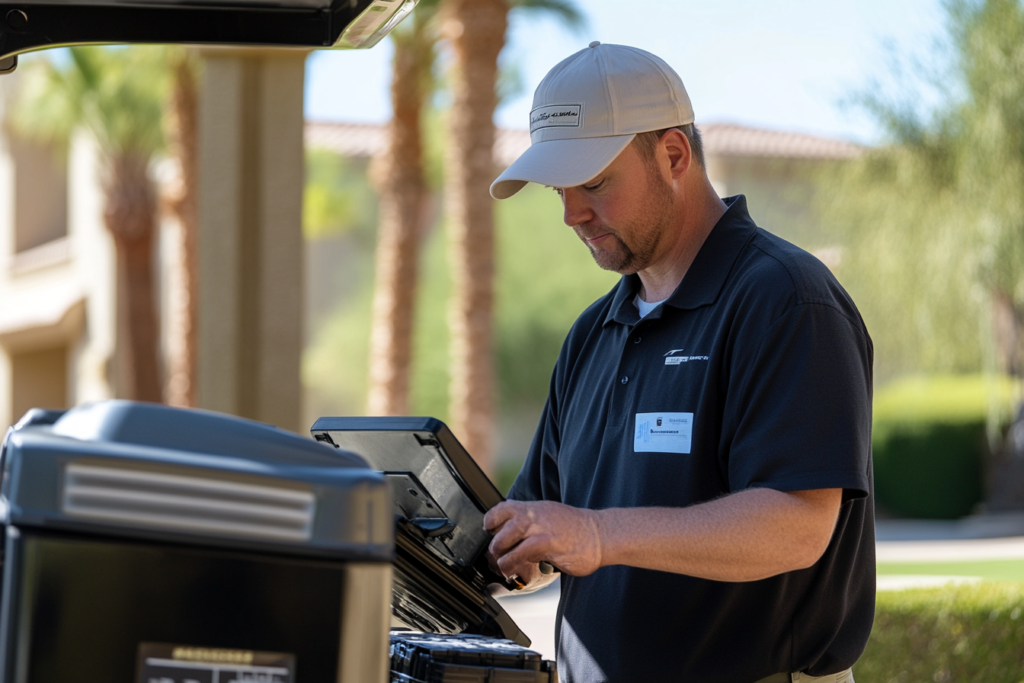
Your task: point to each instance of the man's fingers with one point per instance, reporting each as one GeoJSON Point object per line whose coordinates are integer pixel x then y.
{"type": "Point", "coordinates": [523, 557]}
{"type": "Point", "coordinates": [498, 515]}
{"type": "Point", "coordinates": [506, 538]}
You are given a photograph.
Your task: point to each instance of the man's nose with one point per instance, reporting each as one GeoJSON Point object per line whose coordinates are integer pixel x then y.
{"type": "Point", "coordinates": [576, 209]}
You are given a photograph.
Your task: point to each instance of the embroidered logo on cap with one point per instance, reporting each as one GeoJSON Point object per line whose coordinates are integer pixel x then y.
{"type": "Point", "coordinates": [556, 115]}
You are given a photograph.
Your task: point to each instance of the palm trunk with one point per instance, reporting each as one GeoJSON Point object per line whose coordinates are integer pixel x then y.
{"type": "Point", "coordinates": [399, 178]}
{"type": "Point", "coordinates": [476, 31]}
{"type": "Point", "coordinates": [1006, 468]}
{"type": "Point", "coordinates": [181, 366]}
{"type": "Point", "coordinates": [130, 215]}
{"type": "Point", "coordinates": [1008, 332]}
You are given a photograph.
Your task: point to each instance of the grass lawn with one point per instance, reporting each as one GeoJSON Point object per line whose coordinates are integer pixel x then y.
{"type": "Point", "coordinates": [996, 570]}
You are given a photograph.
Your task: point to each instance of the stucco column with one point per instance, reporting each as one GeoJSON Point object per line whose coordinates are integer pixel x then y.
{"type": "Point", "coordinates": [250, 234]}
{"type": "Point", "coordinates": [6, 253]}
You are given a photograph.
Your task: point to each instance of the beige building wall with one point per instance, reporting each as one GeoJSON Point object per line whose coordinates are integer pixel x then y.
{"type": "Point", "coordinates": [780, 194]}
{"type": "Point", "coordinates": [39, 379]}
{"type": "Point", "coordinates": [56, 290]}
{"type": "Point", "coordinates": [40, 192]}
{"type": "Point", "coordinates": [56, 273]}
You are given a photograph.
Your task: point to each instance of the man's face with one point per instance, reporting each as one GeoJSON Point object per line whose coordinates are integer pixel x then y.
{"type": "Point", "coordinates": [622, 214]}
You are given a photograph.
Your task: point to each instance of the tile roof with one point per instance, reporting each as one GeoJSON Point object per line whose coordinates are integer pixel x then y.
{"type": "Point", "coordinates": [347, 139]}
{"type": "Point", "coordinates": [729, 139]}
{"type": "Point", "coordinates": [720, 139]}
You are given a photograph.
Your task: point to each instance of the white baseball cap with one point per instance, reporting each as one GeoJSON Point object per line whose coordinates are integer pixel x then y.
{"type": "Point", "coordinates": [588, 108]}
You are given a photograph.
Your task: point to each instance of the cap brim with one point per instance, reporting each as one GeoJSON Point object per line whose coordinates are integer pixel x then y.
{"type": "Point", "coordinates": [560, 163]}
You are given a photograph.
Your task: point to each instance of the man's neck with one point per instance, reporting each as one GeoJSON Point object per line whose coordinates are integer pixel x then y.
{"type": "Point", "coordinates": [703, 211]}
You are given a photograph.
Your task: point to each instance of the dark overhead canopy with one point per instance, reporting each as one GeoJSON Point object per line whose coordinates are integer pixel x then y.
{"type": "Point", "coordinates": [33, 24]}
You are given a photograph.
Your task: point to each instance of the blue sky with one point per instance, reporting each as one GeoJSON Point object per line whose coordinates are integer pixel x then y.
{"type": "Point", "coordinates": [785, 65]}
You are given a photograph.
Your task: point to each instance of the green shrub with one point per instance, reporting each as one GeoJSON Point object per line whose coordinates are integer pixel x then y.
{"type": "Point", "coordinates": [929, 442]}
{"type": "Point", "coordinates": [929, 470]}
{"type": "Point", "coordinates": [962, 634]}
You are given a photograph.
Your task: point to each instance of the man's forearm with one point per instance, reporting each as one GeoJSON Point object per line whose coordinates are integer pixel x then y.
{"type": "Point", "coordinates": [746, 536]}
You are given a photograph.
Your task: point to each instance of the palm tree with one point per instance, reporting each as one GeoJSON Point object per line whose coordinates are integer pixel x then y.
{"type": "Point", "coordinates": [181, 366]}
{"type": "Point", "coordinates": [476, 31]}
{"type": "Point", "coordinates": [118, 96]}
{"type": "Point", "coordinates": [398, 175]}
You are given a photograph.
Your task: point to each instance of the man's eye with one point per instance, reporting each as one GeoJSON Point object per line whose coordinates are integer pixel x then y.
{"type": "Point", "coordinates": [594, 186]}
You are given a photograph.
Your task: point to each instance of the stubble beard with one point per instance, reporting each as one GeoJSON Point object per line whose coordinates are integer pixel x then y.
{"type": "Point", "coordinates": [648, 229]}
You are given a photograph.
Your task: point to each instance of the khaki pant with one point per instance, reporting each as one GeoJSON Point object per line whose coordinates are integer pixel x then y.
{"type": "Point", "coordinates": [841, 677]}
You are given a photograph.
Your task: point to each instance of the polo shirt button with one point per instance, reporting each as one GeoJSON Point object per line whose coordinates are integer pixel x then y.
{"type": "Point", "coordinates": [636, 340]}
{"type": "Point", "coordinates": [624, 379]}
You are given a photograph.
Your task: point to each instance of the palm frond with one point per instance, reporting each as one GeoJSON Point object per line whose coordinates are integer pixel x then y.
{"type": "Point", "coordinates": [46, 108]}
{"type": "Point", "coordinates": [118, 94]}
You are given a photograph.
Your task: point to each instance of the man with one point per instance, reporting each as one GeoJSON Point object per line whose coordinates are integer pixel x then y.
{"type": "Point", "coordinates": [701, 475]}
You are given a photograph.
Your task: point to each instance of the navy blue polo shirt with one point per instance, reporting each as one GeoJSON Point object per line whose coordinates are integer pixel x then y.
{"type": "Point", "coordinates": [756, 372]}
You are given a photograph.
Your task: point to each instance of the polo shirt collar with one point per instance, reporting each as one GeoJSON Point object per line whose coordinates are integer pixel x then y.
{"type": "Point", "coordinates": [707, 274]}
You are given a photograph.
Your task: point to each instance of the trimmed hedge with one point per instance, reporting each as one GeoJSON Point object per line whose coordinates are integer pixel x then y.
{"type": "Point", "coordinates": [962, 634]}
{"type": "Point", "coordinates": [929, 443]}
{"type": "Point", "coordinates": [929, 470]}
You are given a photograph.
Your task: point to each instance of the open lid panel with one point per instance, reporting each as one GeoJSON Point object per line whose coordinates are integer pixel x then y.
{"type": "Point", "coordinates": [440, 498]}
{"type": "Point", "coordinates": [439, 490]}
{"type": "Point", "coordinates": [27, 25]}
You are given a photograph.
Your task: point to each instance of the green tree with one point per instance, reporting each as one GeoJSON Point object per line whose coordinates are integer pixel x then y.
{"type": "Point", "coordinates": [934, 219]}
{"type": "Point", "coordinates": [119, 96]}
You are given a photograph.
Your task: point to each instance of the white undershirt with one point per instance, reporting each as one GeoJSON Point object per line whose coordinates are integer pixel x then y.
{"type": "Point", "coordinates": [645, 307]}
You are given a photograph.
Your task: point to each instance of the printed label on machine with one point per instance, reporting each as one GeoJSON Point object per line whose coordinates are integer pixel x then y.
{"type": "Point", "coordinates": [163, 663]}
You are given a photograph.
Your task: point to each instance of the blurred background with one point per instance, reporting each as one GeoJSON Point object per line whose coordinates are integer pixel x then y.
{"type": "Point", "coordinates": [887, 138]}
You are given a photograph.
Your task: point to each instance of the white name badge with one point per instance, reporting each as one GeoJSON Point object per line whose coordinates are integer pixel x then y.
{"type": "Point", "coordinates": [663, 432]}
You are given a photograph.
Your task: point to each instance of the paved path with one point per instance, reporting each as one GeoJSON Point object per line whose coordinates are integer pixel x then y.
{"type": "Point", "coordinates": [964, 550]}
{"type": "Point", "coordinates": [1004, 525]}
{"type": "Point", "coordinates": [989, 537]}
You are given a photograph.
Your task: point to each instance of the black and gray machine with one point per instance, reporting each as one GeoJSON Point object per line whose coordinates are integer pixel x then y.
{"type": "Point", "coordinates": [161, 545]}
{"type": "Point", "coordinates": [149, 543]}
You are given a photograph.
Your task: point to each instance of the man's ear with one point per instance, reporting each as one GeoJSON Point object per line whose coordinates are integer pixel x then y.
{"type": "Point", "coordinates": [677, 147]}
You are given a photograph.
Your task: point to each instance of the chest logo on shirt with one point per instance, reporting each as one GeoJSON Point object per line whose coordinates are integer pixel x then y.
{"type": "Point", "coordinates": [671, 358]}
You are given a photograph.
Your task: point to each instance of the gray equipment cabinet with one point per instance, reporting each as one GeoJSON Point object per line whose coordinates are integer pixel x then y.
{"type": "Point", "coordinates": [146, 543]}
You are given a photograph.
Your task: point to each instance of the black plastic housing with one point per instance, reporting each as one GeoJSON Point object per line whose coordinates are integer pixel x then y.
{"type": "Point", "coordinates": [441, 581]}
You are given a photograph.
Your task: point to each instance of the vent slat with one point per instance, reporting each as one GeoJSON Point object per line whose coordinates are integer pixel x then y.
{"type": "Point", "coordinates": [175, 502]}
{"type": "Point", "coordinates": [88, 497]}
{"type": "Point", "coordinates": [86, 475]}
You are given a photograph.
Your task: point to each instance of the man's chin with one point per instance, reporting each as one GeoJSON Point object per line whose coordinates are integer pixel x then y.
{"type": "Point", "coordinates": [613, 262]}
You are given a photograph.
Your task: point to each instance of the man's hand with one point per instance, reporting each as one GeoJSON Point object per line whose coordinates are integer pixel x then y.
{"type": "Point", "coordinates": [526, 533]}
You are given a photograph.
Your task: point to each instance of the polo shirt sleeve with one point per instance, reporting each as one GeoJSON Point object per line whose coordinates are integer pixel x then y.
{"type": "Point", "coordinates": [800, 415]}
{"type": "Point", "coordinates": [538, 479]}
